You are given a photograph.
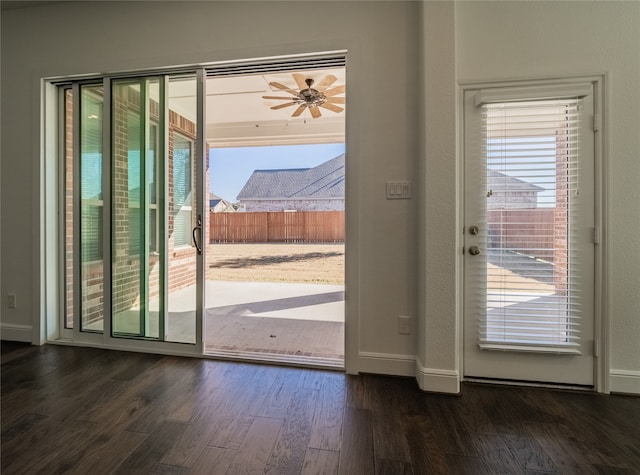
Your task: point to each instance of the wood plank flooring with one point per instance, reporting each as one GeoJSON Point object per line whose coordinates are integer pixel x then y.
{"type": "Point", "coordinates": [89, 411]}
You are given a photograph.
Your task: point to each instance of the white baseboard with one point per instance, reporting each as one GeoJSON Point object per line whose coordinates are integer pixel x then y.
{"type": "Point", "coordinates": [13, 332]}
{"type": "Point", "coordinates": [438, 380]}
{"type": "Point", "coordinates": [430, 380]}
{"type": "Point", "coordinates": [386, 363]}
{"type": "Point", "coordinates": [624, 381]}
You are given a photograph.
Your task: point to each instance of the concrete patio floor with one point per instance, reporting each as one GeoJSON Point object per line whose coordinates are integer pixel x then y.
{"type": "Point", "coordinates": [264, 320]}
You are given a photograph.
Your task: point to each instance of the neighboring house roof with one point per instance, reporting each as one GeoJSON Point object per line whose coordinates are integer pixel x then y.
{"type": "Point", "coordinates": [501, 183]}
{"type": "Point", "coordinates": [220, 205]}
{"type": "Point", "coordinates": [321, 182]}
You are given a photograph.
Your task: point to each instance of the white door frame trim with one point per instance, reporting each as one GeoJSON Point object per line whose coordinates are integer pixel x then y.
{"type": "Point", "coordinates": [602, 280]}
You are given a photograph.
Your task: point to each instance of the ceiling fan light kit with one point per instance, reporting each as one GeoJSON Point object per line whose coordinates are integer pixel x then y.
{"type": "Point", "coordinates": [310, 98]}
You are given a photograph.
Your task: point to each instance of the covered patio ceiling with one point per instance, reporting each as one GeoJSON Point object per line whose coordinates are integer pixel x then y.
{"type": "Point", "coordinates": [238, 116]}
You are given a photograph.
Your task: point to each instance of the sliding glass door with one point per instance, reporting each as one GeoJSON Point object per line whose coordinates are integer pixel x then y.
{"type": "Point", "coordinates": [133, 197]}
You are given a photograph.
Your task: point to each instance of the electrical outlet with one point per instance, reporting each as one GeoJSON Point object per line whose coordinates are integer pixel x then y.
{"type": "Point", "coordinates": [404, 325]}
{"type": "Point", "coordinates": [12, 301]}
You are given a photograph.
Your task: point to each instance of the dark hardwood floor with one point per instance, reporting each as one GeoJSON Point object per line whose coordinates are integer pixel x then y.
{"type": "Point", "coordinates": [90, 411]}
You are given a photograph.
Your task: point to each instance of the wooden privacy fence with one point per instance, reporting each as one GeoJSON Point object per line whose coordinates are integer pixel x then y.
{"type": "Point", "coordinates": [298, 226]}
{"type": "Point", "coordinates": [530, 230]}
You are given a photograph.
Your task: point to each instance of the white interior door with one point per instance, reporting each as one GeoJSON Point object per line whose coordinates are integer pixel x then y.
{"type": "Point", "coordinates": [529, 234]}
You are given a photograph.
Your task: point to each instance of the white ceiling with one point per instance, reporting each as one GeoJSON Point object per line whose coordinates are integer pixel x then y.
{"type": "Point", "coordinates": [238, 116]}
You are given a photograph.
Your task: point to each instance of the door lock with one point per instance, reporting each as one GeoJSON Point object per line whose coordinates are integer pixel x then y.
{"type": "Point", "coordinates": [474, 230]}
{"type": "Point", "coordinates": [474, 250]}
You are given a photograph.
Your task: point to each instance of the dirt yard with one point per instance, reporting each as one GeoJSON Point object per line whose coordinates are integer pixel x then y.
{"type": "Point", "coordinates": [309, 263]}
{"type": "Point", "coordinates": [306, 263]}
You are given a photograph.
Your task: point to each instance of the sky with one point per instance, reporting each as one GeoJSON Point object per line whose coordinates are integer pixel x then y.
{"type": "Point", "coordinates": [230, 168]}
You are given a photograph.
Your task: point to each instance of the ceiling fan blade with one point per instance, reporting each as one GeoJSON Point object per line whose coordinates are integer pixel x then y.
{"type": "Point", "coordinates": [325, 82]}
{"type": "Point", "coordinates": [336, 100]}
{"type": "Point", "coordinates": [282, 106]}
{"type": "Point", "coordinates": [299, 110]}
{"type": "Point", "coordinates": [300, 80]}
{"type": "Point", "coordinates": [278, 97]}
{"type": "Point", "coordinates": [331, 107]}
{"type": "Point", "coordinates": [335, 90]}
{"type": "Point", "coordinates": [315, 112]}
{"type": "Point", "coordinates": [283, 87]}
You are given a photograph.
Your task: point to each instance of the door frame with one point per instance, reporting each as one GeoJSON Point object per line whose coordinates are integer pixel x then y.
{"type": "Point", "coordinates": [309, 63]}
{"type": "Point", "coordinates": [601, 207]}
{"type": "Point", "coordinates": [47, 320]}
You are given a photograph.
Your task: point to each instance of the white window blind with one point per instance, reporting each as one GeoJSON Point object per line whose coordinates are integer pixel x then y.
{"type": "Point", "coordinates": [531, 151]}
{"type": "Point", "coordinates": [182, 187]}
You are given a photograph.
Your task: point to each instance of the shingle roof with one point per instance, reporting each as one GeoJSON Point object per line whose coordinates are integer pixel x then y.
{"type": "Point", "coordinates": [324, 181]}
{"type": "Point", "coordinates": [499, 182]}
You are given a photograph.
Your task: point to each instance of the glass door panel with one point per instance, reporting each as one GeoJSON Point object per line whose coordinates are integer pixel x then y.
{"type": "Point", "coordinates": [136, 276]}
{"type": "Point", "coordinates": [181, 204]}
{"type": "Point", "coordinates": [91, 207]}
{"type": "Point", "coordinates": [127, 301]}
{"type": "Point", "coordinates": [153, 208]}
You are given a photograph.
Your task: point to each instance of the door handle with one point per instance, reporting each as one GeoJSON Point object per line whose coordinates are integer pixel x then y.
{"type": "Point", "coordinates": [474, 250]}
{"type": "Point", "coordinates": [197, 229]}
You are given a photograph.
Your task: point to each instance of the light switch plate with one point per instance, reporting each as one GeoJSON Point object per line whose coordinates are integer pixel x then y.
{"type": "Point", "coordinates": [399, 190]}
